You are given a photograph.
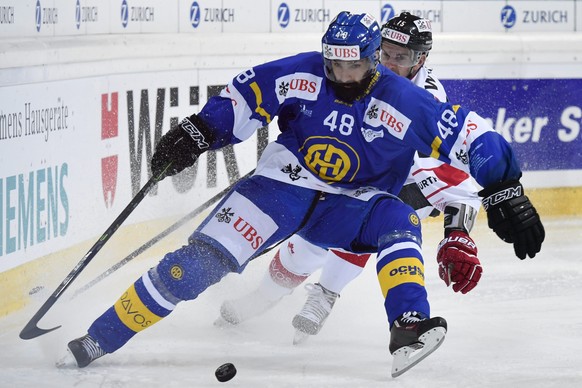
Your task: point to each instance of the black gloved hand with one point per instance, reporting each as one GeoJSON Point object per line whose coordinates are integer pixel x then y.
{"type": "Point", "coordinates": [513, 218]}
{"type": "Point", "coordinates": [180, 147]}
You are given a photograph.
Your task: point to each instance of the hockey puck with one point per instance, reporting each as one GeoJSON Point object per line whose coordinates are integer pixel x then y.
{"type": "Point", "coordinates": [225, 372]}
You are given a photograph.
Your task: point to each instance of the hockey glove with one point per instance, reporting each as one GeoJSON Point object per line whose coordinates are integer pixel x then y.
{"type": "Point", "coordinates": [180, 147]}
{"type": "Point", "coordinates": [458, 262]}
{"type": "Point", "coordinates": [513, 218]}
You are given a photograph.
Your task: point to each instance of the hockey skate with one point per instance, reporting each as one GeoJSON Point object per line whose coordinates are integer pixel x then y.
{"type": "Point", "coordinates": [414, 337]}
{"type": "Point", "coordinates": [315, 311]}
{"type": "Point", "coordinates": [233, 312]}
{"type": "Point", "coordinates": [85, 350]}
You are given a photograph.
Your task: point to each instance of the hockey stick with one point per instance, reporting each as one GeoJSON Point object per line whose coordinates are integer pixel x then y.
{"type": "Point", "coordinates": [158, 237]}
{"type": "Point", "coordinates": [31, 330]}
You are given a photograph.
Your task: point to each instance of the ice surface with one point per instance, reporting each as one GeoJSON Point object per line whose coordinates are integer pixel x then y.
{"type": "Point", "coordinates": [521, 327]}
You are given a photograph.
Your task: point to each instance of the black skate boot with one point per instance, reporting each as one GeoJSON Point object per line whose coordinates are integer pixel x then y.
{"type": "Point", "coordinates": [412, 338]}
{"type": "Point", "coordinates": [85, 350]}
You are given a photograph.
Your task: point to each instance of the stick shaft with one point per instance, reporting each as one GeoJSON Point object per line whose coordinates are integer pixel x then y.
{"type": "Point", "coordinates": [158, 237]}
{"type": "Point", "coordinates": [31, 330]}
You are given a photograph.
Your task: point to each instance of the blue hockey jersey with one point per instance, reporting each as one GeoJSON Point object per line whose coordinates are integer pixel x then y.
{"type": "Point", "coordinates": [334, 146]}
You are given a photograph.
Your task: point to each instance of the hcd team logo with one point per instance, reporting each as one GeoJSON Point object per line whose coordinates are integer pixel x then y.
{"type": "Point", "coordinates": [38, 16]}
{"type": "Point", "coordinates": [386, 13]}
{"type": "Point", "coordinates": [195, 14]}
{"type": "Point", "coordinates": [78, 14]}
{"type": "Point", "coordinates": [331, 159]}
{"type": "Point", "coordinates": [124, 13]}
{"type": "Point", "coordinates": [283, 15]}
{"type": "Point", "coordinates": [508, 16]}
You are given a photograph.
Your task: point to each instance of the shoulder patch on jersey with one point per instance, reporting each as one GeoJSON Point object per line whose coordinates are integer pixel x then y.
{"type": "Point", "coordinates": [380, 113]}
{"type": "Point", "coordinates": [413, 218]}
{"type": "Point", "coordinates": [305, 86]}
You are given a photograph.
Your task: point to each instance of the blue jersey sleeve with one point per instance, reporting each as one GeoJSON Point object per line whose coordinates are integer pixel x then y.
{"type": "Point", "coordinates": [255, 96]}
{"type": "Point", "coordinates": [459, 137]}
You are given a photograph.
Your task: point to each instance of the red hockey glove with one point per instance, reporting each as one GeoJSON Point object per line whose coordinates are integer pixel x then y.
{"type": "Point", "coordinates": [458, 262]}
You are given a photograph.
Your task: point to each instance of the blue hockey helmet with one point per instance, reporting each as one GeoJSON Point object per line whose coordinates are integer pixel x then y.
{"type": "Point", "coordinates": [353, 38]}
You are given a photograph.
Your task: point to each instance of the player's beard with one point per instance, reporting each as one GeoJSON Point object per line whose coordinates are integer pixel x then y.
{"type": "Point", "coordinates": [350, 92]}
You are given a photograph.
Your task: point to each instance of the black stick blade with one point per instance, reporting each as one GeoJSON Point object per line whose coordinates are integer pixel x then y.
{"type": "Point", "coordinates": [31, 331]}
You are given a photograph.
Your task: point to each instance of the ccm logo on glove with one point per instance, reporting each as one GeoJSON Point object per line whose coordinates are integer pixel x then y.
{"type": "Point", "coordinates": [194, 134]}
{"type": "Point", "coordinates": [503, 195]}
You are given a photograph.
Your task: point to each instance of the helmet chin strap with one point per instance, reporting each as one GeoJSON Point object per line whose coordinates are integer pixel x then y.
{"type": "Point", "coordinates": [412, 73]}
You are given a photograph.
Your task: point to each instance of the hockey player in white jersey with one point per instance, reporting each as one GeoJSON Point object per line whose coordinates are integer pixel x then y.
{"type": "Point", "coordinates": [432, 187]}
{"type": "Point", "coordinates": [349, 131]}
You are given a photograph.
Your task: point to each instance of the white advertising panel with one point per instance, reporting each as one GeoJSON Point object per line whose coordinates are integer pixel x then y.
{"type": "Point", "coordinates": [74, 153]}
{"type": "Point", "coordinates": [473, 16]}
{"type": "Point", "coordinates": [202, 16]}
{"type": "Point", "coordinates": [249, 16]}
{"type": "Point", "coordinates": [361, 6]}
{"type": "Point", "coordinates": [137, 16]}
{"type": "Point", "coordinates": [300, 16]}
{"type": "Point", "coordinates": [91, 16]}
{"type": "Point", "coordinates": [508, 16]}
{"type": "Point", "coordinates": [13, 13]}
{"type": "Point", "coordinates": [43, 18]}
{"type": "Point", "coordinates": [431, 10]}
{"type": "Point", "coordinates": [529, 16]}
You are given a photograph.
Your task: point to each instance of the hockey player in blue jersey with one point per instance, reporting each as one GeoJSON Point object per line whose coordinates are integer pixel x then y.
{"type": "Point", "coordinates": [349, 131]}
{"type": "Point", "coordinates": [432, 186]}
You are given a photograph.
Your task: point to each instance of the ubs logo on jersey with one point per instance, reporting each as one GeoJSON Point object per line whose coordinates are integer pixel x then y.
{"type": "Point", "coordinates": [297, 84]}
{"type": "Point", "coordinates": [244, 228]}
{"type": "Point", "coordinates": [248, 232]}
{"type": "Point", "coordinates": [225, 215]}
{"type": "Point", "coordinates": [380, 113]}
{"type": "Point", "coordinates": [330, 159]}
{"type": "Point", "coordinates": [305, 86]}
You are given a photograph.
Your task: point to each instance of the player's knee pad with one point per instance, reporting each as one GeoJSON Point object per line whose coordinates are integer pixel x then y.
{"type": "Point", "coordinates": [185, 273]}
{"type": "Point", "coordinates": [395, 221]}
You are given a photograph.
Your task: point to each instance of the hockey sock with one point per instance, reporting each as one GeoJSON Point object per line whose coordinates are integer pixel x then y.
{"type": "Point", "coordinates": [181, 275]}
{"type": "Point", "coordinates": [282, 277]}
{"type": "Point", "coordinates": [137, 309]}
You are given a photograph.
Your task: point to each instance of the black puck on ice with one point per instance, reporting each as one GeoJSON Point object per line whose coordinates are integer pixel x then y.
{"type": "Point", "coordinates": [225, 372]}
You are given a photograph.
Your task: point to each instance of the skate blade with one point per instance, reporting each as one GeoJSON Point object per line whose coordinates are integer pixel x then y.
{"type": "Point", "coordinates": [300, 337]}
{"type": "Point", "coordinates": [408, 356]}
{"type": "Point", "coordinates": [222, 323]}
{"type": "Point", "coordinates": [67, 361]}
